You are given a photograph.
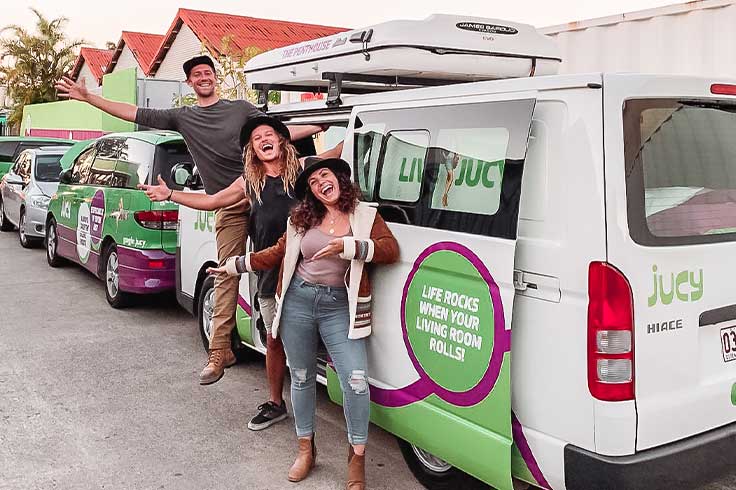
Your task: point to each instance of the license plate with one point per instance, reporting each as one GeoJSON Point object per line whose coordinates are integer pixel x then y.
{"type": "Point", "coordinates": [728, 343]}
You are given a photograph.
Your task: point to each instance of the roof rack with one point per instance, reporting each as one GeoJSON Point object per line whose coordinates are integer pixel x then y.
{"type": "Point", "coordinates": [352, 83]}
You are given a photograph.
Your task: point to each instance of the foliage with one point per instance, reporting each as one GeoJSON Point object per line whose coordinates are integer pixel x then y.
{"type": "Point", "coordinates": [34, 61]}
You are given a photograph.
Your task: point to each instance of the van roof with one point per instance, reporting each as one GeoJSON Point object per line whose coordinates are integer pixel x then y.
{"type": "Point", "coordinates": [156, 137]}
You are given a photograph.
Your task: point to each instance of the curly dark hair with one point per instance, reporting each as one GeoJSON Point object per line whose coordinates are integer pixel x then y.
{"type": "Point", "coordinates": [309, 212]}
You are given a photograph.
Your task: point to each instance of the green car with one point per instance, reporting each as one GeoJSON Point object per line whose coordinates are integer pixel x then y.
{"type": "Point", "coordinates": [100, 220]}
{"type": "Point", "coordinates": [12, 146]}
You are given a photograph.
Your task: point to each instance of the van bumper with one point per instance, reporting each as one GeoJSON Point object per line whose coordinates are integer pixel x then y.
{"type": "Point", "coordinates": [689, 463]}
{"type": "Point", "coordinates": [145, 271]}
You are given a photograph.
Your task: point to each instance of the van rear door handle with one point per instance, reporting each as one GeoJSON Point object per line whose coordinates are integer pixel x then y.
{"type": "Point", "coordinates": [537, 286]}
{"type": "Point", "coordinates": [717, 315]}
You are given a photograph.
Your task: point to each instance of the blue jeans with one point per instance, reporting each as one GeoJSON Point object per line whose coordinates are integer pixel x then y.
{"type": "Point", "coordinates": [309, 310]}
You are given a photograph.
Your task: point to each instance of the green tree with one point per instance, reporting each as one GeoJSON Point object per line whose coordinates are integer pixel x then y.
{"type": "Point", "coordinates": [34, 61]}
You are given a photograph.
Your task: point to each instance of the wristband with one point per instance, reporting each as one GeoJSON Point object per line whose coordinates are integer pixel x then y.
{"type": "Point", "coordinates": [170, 195]}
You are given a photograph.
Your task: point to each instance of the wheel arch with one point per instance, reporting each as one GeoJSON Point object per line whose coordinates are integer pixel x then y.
{"type": "Point", "coordinates": [201, 276]}
{"type": "Point", "coordinates": [103, 246]}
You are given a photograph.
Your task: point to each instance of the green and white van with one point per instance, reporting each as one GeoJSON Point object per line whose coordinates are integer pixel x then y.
{"type": "Point", "coordinates": [561, 315]}
{"type": "Point", "coordinates": [100, 220]}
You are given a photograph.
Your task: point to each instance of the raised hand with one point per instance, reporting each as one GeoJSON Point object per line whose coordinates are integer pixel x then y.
{"type": "Point", "coordinates": [160, 192]}
{"type": "Point", "coordinates": [74, 90]}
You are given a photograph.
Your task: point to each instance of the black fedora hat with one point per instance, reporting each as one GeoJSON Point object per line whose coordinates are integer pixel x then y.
{"type": "Point", "coordinates": [254, 122]}
{"type": "Point", "coordinates": [197, 60]}
{"type": "Point", "coordinates": [311, 165]}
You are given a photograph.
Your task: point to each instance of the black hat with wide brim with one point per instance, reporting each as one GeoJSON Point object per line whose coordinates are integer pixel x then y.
{"type": "Point", "coordinates": [311, 165]}
{"type": "Point", "coordinates": [254, 122]}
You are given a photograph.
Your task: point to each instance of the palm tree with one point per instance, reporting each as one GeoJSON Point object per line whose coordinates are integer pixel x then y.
{"type": "Point", "coordinates": [34, 61]}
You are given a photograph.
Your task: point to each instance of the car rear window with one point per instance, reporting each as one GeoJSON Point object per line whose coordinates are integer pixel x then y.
{"type": "Point", "coordinates": [168, 155]}
{"type": "Point", "coordinates": [7, 150]}
{"type": "Point", "coordinates": [680, 170]}
{"type": "Point", "coordinates": [48, 168]}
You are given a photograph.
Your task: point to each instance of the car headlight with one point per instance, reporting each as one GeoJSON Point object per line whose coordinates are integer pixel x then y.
{"type": "Point", "coordinates": [40, 201]}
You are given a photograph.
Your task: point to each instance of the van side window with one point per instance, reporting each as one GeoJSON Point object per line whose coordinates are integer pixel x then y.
{"type": "Point", "coordinates": [403, 166]}
{"type": "Point", "coordinates": [136, 160]}
{"type": "Point", "coordinates": [83, 165]}
{"type": "Point", "coordinates": [168, 155]}
{"type": "Point", "coordinates": [451, 167]}
{"type": "Point", "coordinates": [102, 171]}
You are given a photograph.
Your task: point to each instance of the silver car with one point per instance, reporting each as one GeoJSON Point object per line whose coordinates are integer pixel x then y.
{"type": "Point", "coordinates": [25, 192]}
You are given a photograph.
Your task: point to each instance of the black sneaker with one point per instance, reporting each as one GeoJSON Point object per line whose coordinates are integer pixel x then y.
{"type": "Point", "coordinates": [268, 414]}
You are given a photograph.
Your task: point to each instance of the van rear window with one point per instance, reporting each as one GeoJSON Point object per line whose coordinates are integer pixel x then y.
{"type": "Point", "coordinates": [680, 170]}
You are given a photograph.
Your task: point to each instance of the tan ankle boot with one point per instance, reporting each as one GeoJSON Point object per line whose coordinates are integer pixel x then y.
{"type": "Point", "coordinates": [305, 459]}
{"type": "Point", "coordinates": [356, 470]}
{"type": "Point", "coordinates": [218, 360]}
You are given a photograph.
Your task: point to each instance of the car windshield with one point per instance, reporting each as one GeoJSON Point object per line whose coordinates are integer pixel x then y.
{"type": "Point", "coordinates": [48, 168]}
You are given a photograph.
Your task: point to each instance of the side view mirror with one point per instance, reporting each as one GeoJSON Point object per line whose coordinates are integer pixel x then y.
{"type": "Point", "coordinates": [65, 177]}
{"type": "Point", "coordinates": [183, 174]}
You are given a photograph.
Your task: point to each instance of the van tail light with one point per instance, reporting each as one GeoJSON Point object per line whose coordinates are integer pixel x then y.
{"type": "Point", "coordinates": [610, 334]}
{"type": "Point", "coordinates": [723, 89]}
{"type": "Point", "coordinates": [157, 220]}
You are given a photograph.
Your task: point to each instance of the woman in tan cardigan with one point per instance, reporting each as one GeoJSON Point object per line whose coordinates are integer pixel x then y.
{"type": "Point", "coordinates": [324, 290]}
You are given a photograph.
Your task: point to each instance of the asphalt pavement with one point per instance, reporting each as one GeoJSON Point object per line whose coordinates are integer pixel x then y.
{"type": "Point", "coordinates": [96, 398]}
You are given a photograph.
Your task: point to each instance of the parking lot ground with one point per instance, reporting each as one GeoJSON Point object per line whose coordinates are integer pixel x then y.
{"type": "Point", "coordinates": [96, 398]}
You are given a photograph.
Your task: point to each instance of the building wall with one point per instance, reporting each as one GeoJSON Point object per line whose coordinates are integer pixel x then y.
{"type": "Point", "coordinates": [696, 38]}
{"type": "Point", "coordinates": [127, 60]}
{"type": "Point", "coordinates": [186, 45]}
{"type": "Point", "coordinates": [89, 78]}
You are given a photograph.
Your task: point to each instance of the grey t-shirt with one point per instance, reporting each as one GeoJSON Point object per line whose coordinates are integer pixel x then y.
{"type": "Point", "coordinates": [212, 135]}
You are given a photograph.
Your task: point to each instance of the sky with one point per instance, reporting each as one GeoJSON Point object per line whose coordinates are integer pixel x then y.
{"type": "Point", "coordinates": [103, 20]}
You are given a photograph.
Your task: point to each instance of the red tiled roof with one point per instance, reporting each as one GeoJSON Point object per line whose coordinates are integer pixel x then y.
{"type": "Point", "coordinates": [144, 47]}
{"type": "Point", "coordinates": [243, 32]}
{"type": "Point", "coordinates": [96, 59]}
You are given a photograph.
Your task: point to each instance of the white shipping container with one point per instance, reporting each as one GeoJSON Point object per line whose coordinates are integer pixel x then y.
{"type": "Point", "coordinates": [693, 38]}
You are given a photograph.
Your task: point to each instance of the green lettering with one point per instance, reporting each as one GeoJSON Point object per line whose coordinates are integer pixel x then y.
{"type": "Point", "coordinates": [697, 286]}
{"type": "Point", "coordinates": [679, 281]}
{"type": "Point", "coordinates": [461, 177]}
{"type": "Point", "coordinates": [487, 181]}
{"type": "Point", "coordinates": [402, 176]}
{"type": "Point", "coordinates": [667, 297]}
{"type": "Point", "coordinates": [473, 181]}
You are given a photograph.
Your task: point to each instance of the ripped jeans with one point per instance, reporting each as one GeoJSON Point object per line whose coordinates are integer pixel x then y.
{"type": "Point", "coordinates": [310, 310]}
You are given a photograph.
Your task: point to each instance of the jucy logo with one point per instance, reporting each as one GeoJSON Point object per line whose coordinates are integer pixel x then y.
{"type": "Point", "coordinates": [471, 172]}
{"type": "Point", "coordinates": [205, 221]}
{"type": "Point", "coordinates": [684, 286]}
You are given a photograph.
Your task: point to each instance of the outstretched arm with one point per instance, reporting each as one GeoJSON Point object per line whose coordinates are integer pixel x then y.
{"type": "Point", "coordinates": [299, 132]}
{"type": "Point", "coordinates": [78, 91]}
{"type": "Point", "coordinates": [230, 195]}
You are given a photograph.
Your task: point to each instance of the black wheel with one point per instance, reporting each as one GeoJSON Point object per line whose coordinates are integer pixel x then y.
{"type": "Point", "coordinates": [5, 225]}
{"type": "Point", "coordinates": [52, 245]}
{"type": "Point", "coordinates": [110, 261]}
{"type": "Point", "coordinates": [205, 312]}
{"type": "Point", "coordinates": [435, 473]}
{"type": "Point", "coordinates": [206, 309]}
{"type": "Point", "coordinates": [25, 240]}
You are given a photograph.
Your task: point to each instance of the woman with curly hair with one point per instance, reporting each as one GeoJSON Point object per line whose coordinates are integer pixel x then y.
{"type": "Point", "coordinates": [271, 166]}
{"type": "Point", "coordinates": [325, 291]}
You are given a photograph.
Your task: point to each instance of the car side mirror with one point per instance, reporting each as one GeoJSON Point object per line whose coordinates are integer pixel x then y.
{"type": "Point", "coordinates": [65, 177]}
{"type": "Point", "coordinates": [183, 174]}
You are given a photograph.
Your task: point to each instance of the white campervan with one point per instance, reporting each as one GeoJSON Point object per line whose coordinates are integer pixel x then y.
{"type": "Point", "coordinates": [561, 315]}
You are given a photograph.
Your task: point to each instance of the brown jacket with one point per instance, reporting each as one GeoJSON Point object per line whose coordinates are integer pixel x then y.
{"type": "Point", "coordinates": [371, 241]}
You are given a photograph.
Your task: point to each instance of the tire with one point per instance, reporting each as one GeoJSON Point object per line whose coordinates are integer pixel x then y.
{"type": "Point", "coordinates": [52, 245]}
{"type": "Point", "coordinates": [433, 472]}
{"type": "Point", "coordinates": [5, 225]}
{"type": "Point", "coordinates": [205, 310]}
{"type": "Point", "coordinates": [111, 276]}
{"type": "Point", "coordinates": [25, 241]}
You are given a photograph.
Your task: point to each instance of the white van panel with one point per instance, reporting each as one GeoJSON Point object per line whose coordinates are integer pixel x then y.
{"type": "Point", "coordinates": [682, 384]}
{"type": "Point", "coordinates": [549, 453]}
{"type": "Point", "coordinates": [615, 428]}
{"type": "Point", "coordinates": [560, 233]}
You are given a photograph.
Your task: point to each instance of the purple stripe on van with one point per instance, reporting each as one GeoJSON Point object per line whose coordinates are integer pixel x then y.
{"type": "Point", "coordinates": [139, 275]}
{"type": "Point", "coordinates": [244, 304]}
{"type": "Point", "coordinates": [526, 452]}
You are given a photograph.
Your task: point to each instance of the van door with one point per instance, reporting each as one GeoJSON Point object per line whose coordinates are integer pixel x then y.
{"type": "Point", "coordinates": [671, 225]}
{"type": "Point", "coordinates": [446, 175]}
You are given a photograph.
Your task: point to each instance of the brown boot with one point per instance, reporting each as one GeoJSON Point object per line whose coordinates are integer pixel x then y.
{"type": "Point", "coordinates": [218, 360]}
{"type": "Point", "coordinates": [305, 459]}
{"type": "Point", "coordinates": [356, 470]}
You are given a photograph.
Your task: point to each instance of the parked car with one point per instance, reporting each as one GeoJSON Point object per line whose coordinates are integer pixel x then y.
{"type": "Point", "coordinates": [12, 146]}
{"type": "Point", "coordinates": [100, 220]}
{"type": "Point", "coordinates": [26, 190]}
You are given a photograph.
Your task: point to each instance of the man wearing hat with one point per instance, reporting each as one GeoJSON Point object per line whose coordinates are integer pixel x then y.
{"type": "Point", "coordinates": [270, 169]}
{"type": "Point", "coordinates": [211, 130]}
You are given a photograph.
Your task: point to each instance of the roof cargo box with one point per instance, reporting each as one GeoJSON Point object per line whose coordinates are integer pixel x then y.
{"type": "Point", "coordinates": [441, 48]}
